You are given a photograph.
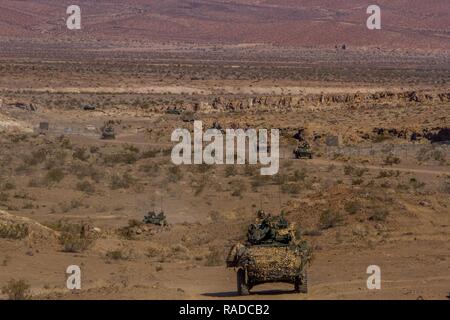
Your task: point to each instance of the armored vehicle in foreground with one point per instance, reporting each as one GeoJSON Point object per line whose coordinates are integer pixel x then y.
{"type": "Point", "coordinates": [271, 254]}
{"type": "Point", "coordinates": [303, 151]}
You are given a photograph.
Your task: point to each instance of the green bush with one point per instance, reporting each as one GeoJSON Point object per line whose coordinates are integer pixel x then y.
{"type": "Point", "coordinates": [17, 290]}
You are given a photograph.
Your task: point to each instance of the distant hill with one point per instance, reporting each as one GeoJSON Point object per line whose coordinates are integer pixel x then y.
{"type": "Point", "coordinates": [406, 24]}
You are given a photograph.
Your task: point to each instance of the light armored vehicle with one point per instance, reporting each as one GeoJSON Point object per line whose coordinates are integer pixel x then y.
{"type": "Point", "coordinates": [271, 254]}
{"type": "Point", "coordinates": [303, 151]}
{"type": "Point", "coordinates": [155, 218]}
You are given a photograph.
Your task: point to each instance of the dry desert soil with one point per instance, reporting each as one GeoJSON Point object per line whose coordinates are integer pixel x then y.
{"type": "Point", "coordinates": [376, 192]}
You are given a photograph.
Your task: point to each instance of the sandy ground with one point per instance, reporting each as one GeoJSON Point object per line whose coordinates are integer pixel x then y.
{"type": "Point", "coordinates": [390, 196]}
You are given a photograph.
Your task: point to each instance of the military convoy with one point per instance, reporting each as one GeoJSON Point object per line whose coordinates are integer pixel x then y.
{"type": "Point", "coordinates": [271, 254]}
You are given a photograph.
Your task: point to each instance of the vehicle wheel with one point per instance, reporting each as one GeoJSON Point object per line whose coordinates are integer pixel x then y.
{"type": "Point", "coordinates": [242, 286]}
{"type": "Point", "coordinates": [301, 283]}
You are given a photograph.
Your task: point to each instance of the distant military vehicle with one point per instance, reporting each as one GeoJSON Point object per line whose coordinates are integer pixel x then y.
{"type": "Point", "coordinates": [107, 130]}
{"type": "Point", "coordinates": [271, 254]}
{"type": "Point", "coordinates": [303, 151]}
{"type": "Point", "coordinates": [155, 218]}
{"type": "Point", "coordinates": [88, 107]}
{"type": "Point", "coordinates": [108, 133]}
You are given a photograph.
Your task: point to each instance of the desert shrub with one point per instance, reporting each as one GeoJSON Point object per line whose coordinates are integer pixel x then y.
{"type": "Point", "coordinates": [291, 188]}
{"type": "Point", "coordinates": [312, 233]}
{"type": "Point", "coordinates": [203, 168]}
{"type": "Point", "coordinates": [73, 204]}
{"type": "Point", "coordinates": [54, 175]}
{"type": "Point", "coordinates": [131, 148]}
{"type": "Point", "coordinates": [84, 170]}
{"type": "Point", "coordinates": [174, 174]}
{"type": "Point", "coordinates": [118, 254]}
{"type": "Point", "coordinates": [86, 186]}
{"type": "Point", "coordinates": [180, 251]}
{"type": "Point", "coordinates": [329, 219]}
{"type": "Point", "coordinates": [9, 186]}
{"type": "Point", "coordinates": [129, 232]}
{"type": "Point", "coordinates": [65, 142]}
{"type": "Point", "coordinates": [17, 290]}
{"type": "Point", "coordinates": [391, 159]}
{"type": "Point", "coordinates": [280, 179]}
{"type": "Point", "coordinates": [230, 171]}
{"type": "Point", "coordinates": [155, 251]}
{"type": "Point", "coordinates": [359, 172]}
{"type": "Point", "coordinates": [348, 170]}
{"type": "Point", "coordinates": [427, 153]}
{"type": "Point", "coordinates": [15, 231]}
{"type": "Point", "coordinates": [80, 154]}
{"type": "Point", "coordinates": [200, 186]}
{"type": "Point", "coordinates": [259, 180]}
{"type": "Point", "coordinates": [250, 170]}
{"type": "Point", "coordinates": [438, 155]}
{"type": "Point", "coordinates": [238, 186]}
{"type": "Point", "coordinates": [151, 153]}
{"type": "Point", "coordinates": [151, 169]}
{"type": "Point", "coordinates": [122, 181]}
{"type": "Point", "coordinates": [94, 149]}
{"type": "Point", "coordinates": [446, 187]}
{"type": "Point", "coordinates": [352, 207]}
{"type": "Point", "coordinates": [215, 257]}
{"type": "Point", "coordinates": [388, 174]}
{"type": "Point", "coordinates": [28, 205]}
{"type": "Point", "coordinates": [378, 214]}
{"type": "Point", "coordinates": [4, 197]}
{"type": "Point", "coordinates": [166, 152]}
{"type": "Point", "coordinates": [299, 175]}
{"type": "Point", "coordinates": [121, 157]}
{"type": "Point", "coordinates": [354, 171]}
{"type": "Point", "coordinates": [16, 138]}
{"type": "Point", "coordinates": [75, 242]}
{"type": "Point", "coordinates": [74, 237]}
{"type": "Point", "coordinates": [36, 157]}
{"type": "Point", "coordinates": [6, 260]}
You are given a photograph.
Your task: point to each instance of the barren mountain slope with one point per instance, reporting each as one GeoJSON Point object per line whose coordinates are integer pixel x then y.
{"type": "Point", "coordinates": [405, 24]}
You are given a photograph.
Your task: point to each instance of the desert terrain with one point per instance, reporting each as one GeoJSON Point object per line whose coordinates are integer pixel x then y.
{"type": "Point", "coordinates": [376, 192]}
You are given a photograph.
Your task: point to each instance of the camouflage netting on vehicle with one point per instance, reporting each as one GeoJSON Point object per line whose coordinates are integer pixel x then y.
{"type": "Point", "coordinates": [268, 262]}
